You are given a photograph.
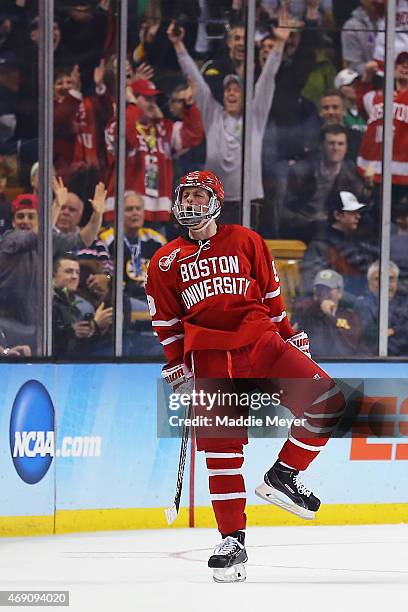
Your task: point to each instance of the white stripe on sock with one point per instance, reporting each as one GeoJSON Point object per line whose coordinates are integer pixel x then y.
{"type": "Point", "coordinates": [224, 472]}
{"type": "Point", "coordinates": [286, 465]}
{"type": "Point", "coordinates": [323, 416]}
{"type": "Point", "coordinates": [227, 496]}
{"type": "Point", "coordinates": [222, 455]}
{"type": "Point", "coordinates": [316, 449]}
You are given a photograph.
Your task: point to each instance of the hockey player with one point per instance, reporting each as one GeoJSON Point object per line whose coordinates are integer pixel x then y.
{"type": "Point", "coordinates": [216, 305]}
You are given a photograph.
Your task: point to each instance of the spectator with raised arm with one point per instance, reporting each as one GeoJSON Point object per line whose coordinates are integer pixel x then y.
{"type": "Point", "coordinates": [232, 61]}
{"type": "Point", "coordinates": [79, 120]}
{"type": "Point", "coordinates": [95, 262]}
{"type": "Point", "coordinates": [152, 143]}
{"type": "Point", "coordinates": [223, 123]}
{"type": "Point", "coordinates": [19, 283]}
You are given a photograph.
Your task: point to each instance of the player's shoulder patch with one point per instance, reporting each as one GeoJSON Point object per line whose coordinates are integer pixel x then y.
{"type": "Point", "coordinates": [166, 261]}
{"type": "Point", "coordinates": [165, 256]}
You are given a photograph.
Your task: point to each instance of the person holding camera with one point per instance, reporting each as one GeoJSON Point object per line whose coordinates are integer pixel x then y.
{"type": "Point", "coordinates": [77, 327]}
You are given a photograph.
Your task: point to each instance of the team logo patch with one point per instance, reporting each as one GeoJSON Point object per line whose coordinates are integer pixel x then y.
{"type": "Point", "coordinates": [166, 261]}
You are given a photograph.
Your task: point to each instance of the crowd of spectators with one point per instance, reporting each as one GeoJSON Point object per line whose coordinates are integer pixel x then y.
{"type": "Point", "coordinates": [316, 171]}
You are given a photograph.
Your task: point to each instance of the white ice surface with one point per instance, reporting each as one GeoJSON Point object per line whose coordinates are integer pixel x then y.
{"type": "Point", "coordinates": [299, 569]}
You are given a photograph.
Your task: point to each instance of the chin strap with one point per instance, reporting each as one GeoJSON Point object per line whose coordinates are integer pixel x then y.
{"type": "Point", "coordinates": [204, 226]}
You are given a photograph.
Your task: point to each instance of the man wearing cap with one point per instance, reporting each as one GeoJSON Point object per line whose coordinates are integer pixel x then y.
{"type": "Point", "coordinates": [152, 143]}
{"type": "Point", "coordinates": [347, 82]}
{"type": "Point", "coordinates": [333, 328]}
{"type": "Point", "coordinates": [339, 249]}
{"type": "Point", "coordinates": [19, 258]}
{"type": "Point", "coordinates": [223, 122]}
{"type": "Point", "coordinates": [372, 144]}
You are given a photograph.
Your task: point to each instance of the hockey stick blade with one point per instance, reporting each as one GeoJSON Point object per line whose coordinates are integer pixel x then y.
{"type": "Point", "coordinates": [171, 514]}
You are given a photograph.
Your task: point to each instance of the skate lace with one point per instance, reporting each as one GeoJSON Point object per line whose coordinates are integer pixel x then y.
{"type": "Point", "coordinates": [301, 487]}
{"type": "Point", "coordinates": [227, 546]}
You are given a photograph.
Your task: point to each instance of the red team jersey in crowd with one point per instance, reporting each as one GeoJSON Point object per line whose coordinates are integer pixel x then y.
{"type": "Point", "coordinates": [78, 129]}
{"type": "Point", "coordinates": [220, 293]}
{"type": "Point", "coordinates": [161, 141]}
{"type": "Point", "coordinates": [371, 146]}
{"type": "Point", "coordinates": [92, 116]}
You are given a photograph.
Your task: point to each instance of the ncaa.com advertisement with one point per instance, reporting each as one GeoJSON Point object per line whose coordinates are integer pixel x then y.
{"type": "Point", "coordinates": [85, 437]}
{"type": "Point", "coordinates": [79, 437]}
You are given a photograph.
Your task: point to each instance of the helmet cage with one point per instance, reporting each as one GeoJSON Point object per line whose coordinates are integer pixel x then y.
{"type": "Point", "coordinates": [190, 218]}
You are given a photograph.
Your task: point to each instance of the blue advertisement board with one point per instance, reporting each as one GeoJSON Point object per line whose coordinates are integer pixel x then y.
{"type": "Point", "coordinates": [83, 437]}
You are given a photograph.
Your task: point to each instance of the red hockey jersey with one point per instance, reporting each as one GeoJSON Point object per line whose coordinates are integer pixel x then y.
{"type": "Point", "coordinates": [168, 139]}
{"type": "Point", "coordinates": [78, 129]}
{"type": "Point", "coordinates": [92, 116]}
{"type": "Point", "coordinates": [220, 293]}
{"type": "Point", "coordinates": [371, 145]}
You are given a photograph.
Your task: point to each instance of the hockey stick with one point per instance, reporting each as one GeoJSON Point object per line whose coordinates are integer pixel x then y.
{"type": "Point", "coordinates": [172, 513]}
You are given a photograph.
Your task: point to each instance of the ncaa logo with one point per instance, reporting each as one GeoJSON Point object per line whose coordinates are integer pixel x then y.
{"type": "Point", "coordinates": [32, 432]}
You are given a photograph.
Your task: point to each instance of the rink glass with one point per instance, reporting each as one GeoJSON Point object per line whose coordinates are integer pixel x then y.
{"type": "Point", "coordinates": [284, 146]}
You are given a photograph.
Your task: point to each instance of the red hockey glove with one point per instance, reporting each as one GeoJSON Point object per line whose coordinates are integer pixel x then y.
{"type": "Point", "coordinates": [301, 341]}
{"type": "Point", "coordinates": [180, 378]}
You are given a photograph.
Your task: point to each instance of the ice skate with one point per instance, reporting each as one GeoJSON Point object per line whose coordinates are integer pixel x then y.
{"type": "Point", "coordinates": [283, 488]}
{"type": "Point", "coordinates": [228, 559]}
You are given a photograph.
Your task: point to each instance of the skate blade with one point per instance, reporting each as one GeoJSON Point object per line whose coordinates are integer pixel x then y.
{"type": "Point", "coordinates": [273, 496]}
{"type": "Point", "coordinates": [235, 573]}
